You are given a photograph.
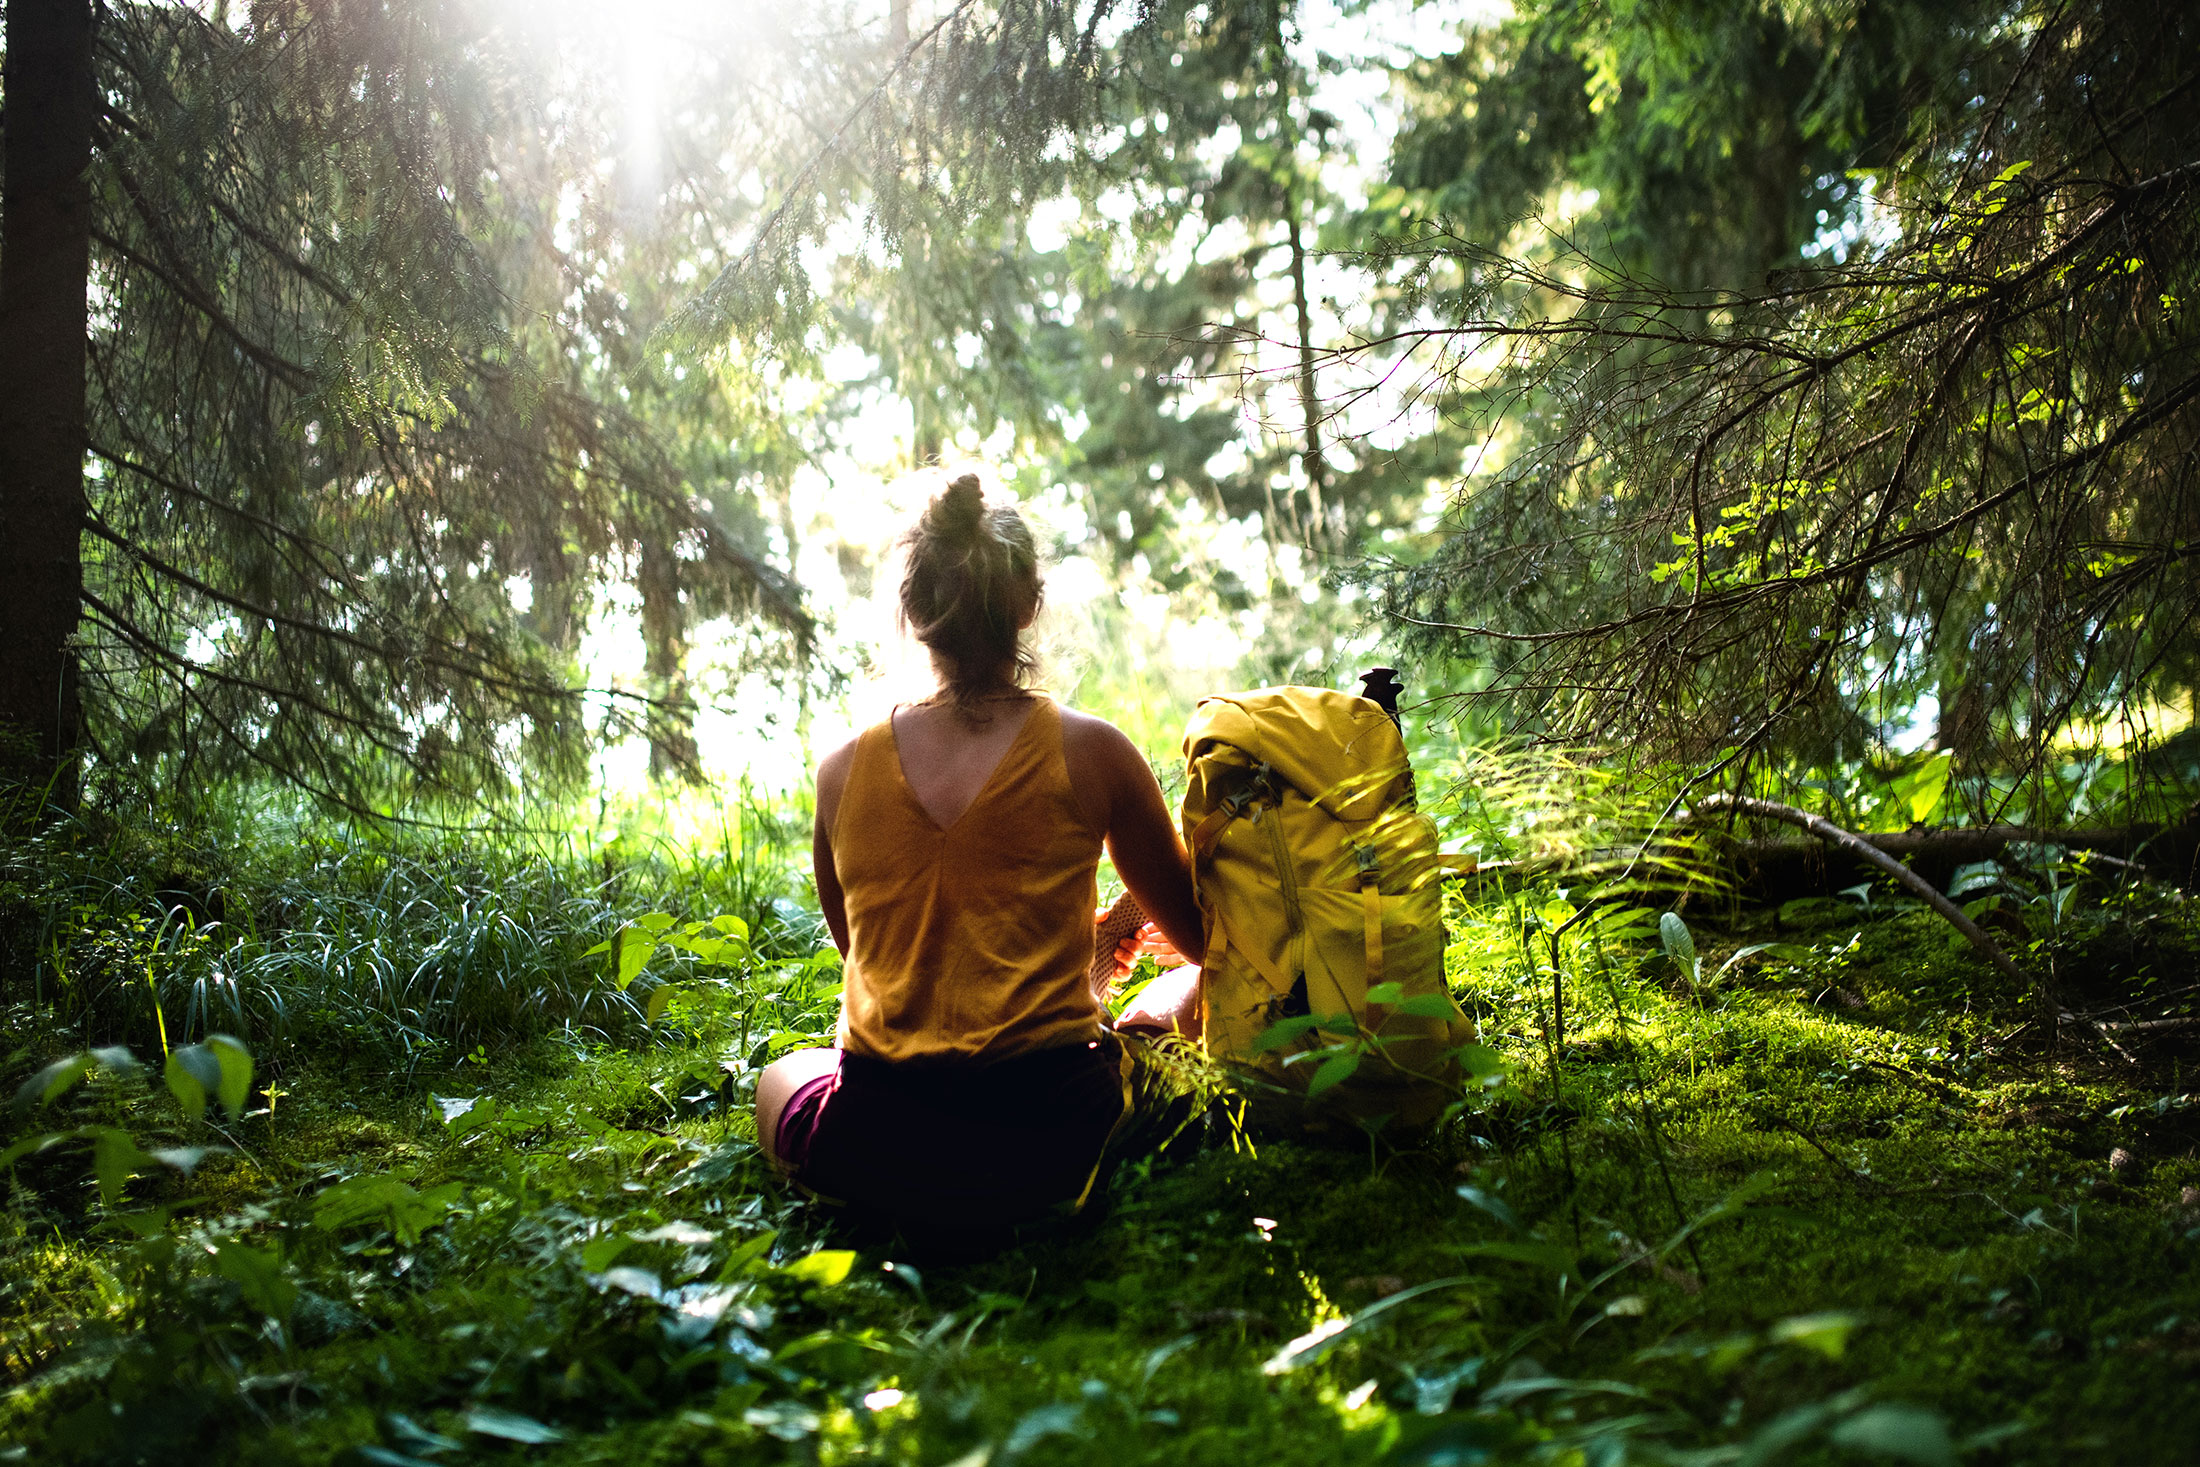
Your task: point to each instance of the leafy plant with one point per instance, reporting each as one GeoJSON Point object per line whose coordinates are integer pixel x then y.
{"type": "Point", "coordinates": [719, 942]}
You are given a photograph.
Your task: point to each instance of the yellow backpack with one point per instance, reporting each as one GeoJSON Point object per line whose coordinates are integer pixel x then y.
{"type": "Point", "coordinates": [1321, 886]}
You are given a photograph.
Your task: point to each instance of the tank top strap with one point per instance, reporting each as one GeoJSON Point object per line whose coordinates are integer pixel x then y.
{"type": "Point", "coordinates": [875, 785]}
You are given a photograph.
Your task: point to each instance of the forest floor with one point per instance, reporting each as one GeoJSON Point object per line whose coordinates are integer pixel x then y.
{"type": "Point", "coordinates": [1827, 1207]}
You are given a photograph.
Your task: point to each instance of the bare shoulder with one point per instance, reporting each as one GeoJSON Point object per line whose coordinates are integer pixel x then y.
{"type": "Point", "coordinates": [833, 767]}
{"type": "Point", "coordinates": [1096, 742]}
{"type": "Point", "coordinates": [832, 778]}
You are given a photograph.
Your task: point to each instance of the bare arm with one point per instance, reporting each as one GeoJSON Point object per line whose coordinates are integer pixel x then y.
{"type": "Point", "coordinates": [1121, 796]}
{"type": "Point", "coordinates": [832, 778]}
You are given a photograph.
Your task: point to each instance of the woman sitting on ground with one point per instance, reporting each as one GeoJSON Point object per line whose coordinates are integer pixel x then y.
{"type": "Point", "coordinates": [977, 1079]}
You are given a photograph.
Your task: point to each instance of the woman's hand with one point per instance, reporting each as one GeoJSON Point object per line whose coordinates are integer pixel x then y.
{"type": "Point", "coordinates": [1147, 940]}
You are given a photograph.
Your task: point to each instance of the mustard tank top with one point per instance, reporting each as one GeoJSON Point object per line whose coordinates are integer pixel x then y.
{"type": "Point", "coordinates": [971, 943]}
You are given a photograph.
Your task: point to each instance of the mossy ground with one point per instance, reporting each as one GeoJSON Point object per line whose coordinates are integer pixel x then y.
{"type": "Point", "coordinates": [1907, 1241]}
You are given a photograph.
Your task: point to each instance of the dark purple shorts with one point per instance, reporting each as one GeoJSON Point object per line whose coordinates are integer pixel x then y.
{"type": "Point", "coordinates": [956, 1145]}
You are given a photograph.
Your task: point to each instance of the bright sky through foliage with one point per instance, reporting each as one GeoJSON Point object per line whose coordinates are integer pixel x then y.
{"type": "Point", "coordinates": [848, 494]}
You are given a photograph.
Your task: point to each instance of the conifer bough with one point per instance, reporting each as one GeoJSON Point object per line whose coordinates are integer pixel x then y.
{"type": "Point", "coordinates": [264, 507]}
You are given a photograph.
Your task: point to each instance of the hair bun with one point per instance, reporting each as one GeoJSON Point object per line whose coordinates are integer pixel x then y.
{"type": "Point", "coordinates": [961, 506]}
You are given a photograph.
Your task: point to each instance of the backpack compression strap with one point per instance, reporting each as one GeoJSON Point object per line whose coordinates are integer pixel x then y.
{"type": "Point", "coordinates": [1205, 837]}
{"type": "Point", "coordinates": [1371, 922]}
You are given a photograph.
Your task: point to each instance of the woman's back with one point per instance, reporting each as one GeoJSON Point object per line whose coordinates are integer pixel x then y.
{"type": "Point", "coordinates": [955, 849]}
{"type": "Point", "coordinates": [966, 866]}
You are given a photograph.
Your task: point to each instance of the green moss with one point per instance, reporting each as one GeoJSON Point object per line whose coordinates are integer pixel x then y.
{"type": "Point", "coordinates": [1893, 1201]}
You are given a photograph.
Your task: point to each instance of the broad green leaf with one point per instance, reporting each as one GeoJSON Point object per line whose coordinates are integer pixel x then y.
{"type": "Point", "coordinates": [728, 923]}
{"type": "Point", "coordinates": [634, 951]}
{"type": "Point", "coordinates": [1922, 789]}
{"type": "Point", "coordinates": [235, 1061]}
{"type": "Point", "coordinates": [1970, 878]}
{"type": "Point", "coordinates": [825, 1268]}
{"type": "Point", "coordinates": [29, 1144]}
{"type": "Point", "coordinates": [1283, 1032]}
{"type": "Point", "coordinates": [152, 1223]}
{"type": "Point", "coordinates": [116, 1158]}
{"type": "Point", "coordinates": [387, 1202]}
{"type": "Point", "coordinates": [654, 923]}
{"type": "Point", "coordinates": [1624, 924]}
{"type": "Point", "coordinates": [1479, 1060]}
{"type": "Point", "coordinates": [53, 1082]}
{"type": "Point", "coordinates": [1911, 1433]}
{"type": "Point", "coordinates": [1386, 993]}
{"type": "Point", "coordinates": [259, 1277]}
{"type": "Point", "coordinates": [659, 997]}
{"type": "Point", "coordinates": [1334, 1071]}
{"type": "Point", "coordinates": [194, 1074]}
{"type": "Point", "coordinates": [511, 1426]}
{"type": "Point", "coordinates": [747, 1256]}
{"type": "Point", "coordinates": [1427, 1006]}
{"type": "Point", "coordinates": [480, 1114]}
{"type": "Point", "coordinates": [1828, 1333]}
{"type": "Point", "coordinates": [1678, 941]}
{"type": "Point", "coordinates": [600, 1253]}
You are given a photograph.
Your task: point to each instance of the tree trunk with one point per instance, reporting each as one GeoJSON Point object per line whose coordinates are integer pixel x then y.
{"type": "Point", "coordinates": [45, 263]}
{"type": "Point", "coordinates": [1310, 401]}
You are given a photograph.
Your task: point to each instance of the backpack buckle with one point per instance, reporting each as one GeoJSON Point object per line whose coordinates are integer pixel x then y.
{"type": "Point", "coordinates": [1368, 864]}
{"type": "Point", "coordinates": [1258, 789]}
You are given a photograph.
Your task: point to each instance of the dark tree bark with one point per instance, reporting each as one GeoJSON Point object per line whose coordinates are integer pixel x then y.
{"type": "Point", "coordinates": [45, 262]}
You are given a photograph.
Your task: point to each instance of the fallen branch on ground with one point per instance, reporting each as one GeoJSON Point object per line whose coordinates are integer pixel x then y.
{"type": "Point", "coordinates": [1915, 884]}
{"type": "Point", "coordinates": [1775, 869]}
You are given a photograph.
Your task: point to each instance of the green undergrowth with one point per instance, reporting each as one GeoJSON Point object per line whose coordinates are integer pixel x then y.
{"type": "Point", "coordinates": [1776, 1186]}
{"type": "Point", "coordinates": [406, 948]}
